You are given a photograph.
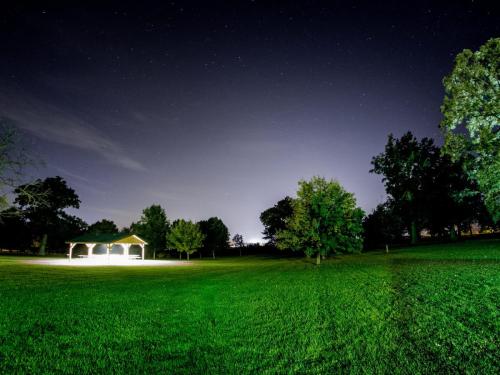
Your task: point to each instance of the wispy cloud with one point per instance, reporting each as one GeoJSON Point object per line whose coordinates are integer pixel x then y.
{"type": "Point", "coordinates": [53, 124]}
{"type": "Point", "coordinates": [71, 174]}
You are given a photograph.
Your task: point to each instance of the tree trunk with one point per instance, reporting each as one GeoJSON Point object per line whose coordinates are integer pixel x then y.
{"type": "Point", "coordinates": [180, 255]}
{"type": "Point", "coordinates": [453, 233]}
{"type": "Point", "coordinates": [318, 259]}
{"type": "Point", "coordinates": [43, 245]}
{"type": "Point", "coordinates": [200, 254]}
{"type": "Point", "coordinates": [187, 256]}
{"type": "Point", "coordinates": [386, 248]}
{"type": "Point", "coordinates": [154, 254]}
{"type": "Point", "coordinates": [213, 254]}
{"type": "Point", "coordinates": [240, 250]}
{"type": "Point", "coordinates": [413, 232]}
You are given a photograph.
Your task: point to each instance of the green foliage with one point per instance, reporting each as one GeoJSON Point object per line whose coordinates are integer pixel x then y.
{"type": "Point", "coordinates": [426, 189]}
{"type": "Point", "coordinates": [216, 235]}
{"type": "Point", "coordinates": [102, 227]}
{"type": "Point", "coordinates": [451, 199]}
{"type": "Point", "coordinates": [58, 196]}
{"type": "Point", "coordinates": [472, 101]}
{"type": "Point", "coordinates": [274, 219]}
{"type": "Point", "coordinates": [325, 219]}
{"type": "Point", "coordinates": [424, 310]}
{"type": "Point", "coordinates": [45, 215]}
{"type": "Point", "coordinates": [185, 236]}
{"type": "Point", "coordinates": [382, 227]}
{"type": "Point", "coordinates": [153, 226]}
{"type": "Point", "coordinates": [406, 164]}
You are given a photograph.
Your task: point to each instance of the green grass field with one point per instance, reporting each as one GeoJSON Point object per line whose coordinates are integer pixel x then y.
{"type": "Point", "coordinates": [423, 310]}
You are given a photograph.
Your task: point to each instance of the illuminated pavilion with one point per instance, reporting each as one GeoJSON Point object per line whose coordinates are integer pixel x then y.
{"type": "Point", "coordinates": [119, 243]}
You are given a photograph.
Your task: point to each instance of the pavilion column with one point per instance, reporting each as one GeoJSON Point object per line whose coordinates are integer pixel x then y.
{"type": "Point", "coordinates": [90, 250]}
{"type": "Point", "coordinates": [71, 246]}
{"type": "Point", "coordinates": [108, 249]}
{"type": "Point", "coordinates": [126, 248]}
{"type": "Point", "coordinates": [142, 247]}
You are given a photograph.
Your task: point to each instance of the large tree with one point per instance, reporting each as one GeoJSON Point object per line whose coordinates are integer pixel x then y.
{"type": "Point", "coordinates": [185, 236]}
{"type": "Point", "coordinates": [471, 118]}
{"type": "Point", "coordinates": [405, 165]}
{"type": "Point", "coordinates": [44, 216]}
{"type": "Point", "coordinates": [325, 219]}
{"type": "Point", "coordinates": [274, 219]}
{"type": "Point", "coordinates": [153, 226]}
{"type": "Point", "coordinates": [238, 242]}
{"type": "Point", "coordinates": [103, 226]}
{"type": "Point", "coordinates": [216, 235]}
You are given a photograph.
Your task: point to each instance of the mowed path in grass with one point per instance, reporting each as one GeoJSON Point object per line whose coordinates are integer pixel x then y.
{"type": "Point", "coordinates": [421, 310]}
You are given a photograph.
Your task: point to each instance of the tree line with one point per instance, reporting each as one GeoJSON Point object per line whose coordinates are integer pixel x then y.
{"type": "Point", "coordinates": [42, 224]}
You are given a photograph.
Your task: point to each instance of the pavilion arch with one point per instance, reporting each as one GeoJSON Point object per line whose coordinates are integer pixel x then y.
{"type": "Point", "coordinates": [117, 249]}
{"type": "Point", "coordinates": [80, 249]}
{"type": "Point", "coordinates": [135, 249]}
{"type": "Point", "coordinates": [99, 249]}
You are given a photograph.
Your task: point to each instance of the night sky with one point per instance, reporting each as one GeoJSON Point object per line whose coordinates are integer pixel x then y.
{"type": "Point", "coordinates": [219, 109]}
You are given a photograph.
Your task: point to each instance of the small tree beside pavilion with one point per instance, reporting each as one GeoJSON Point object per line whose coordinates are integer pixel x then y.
{"type": "Point", "coordinates": [185, 236]}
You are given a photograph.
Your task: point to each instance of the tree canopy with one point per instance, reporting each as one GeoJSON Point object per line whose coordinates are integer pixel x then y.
{"type": "Point", "coordinates": [274, 219]}
{"type": "Point", "coordinates": [383, 226]}
{"type": "Point", "coordinates": [471, 118]}
{"type": "Point", "coordinates": [238, 242]}
{"type": "Point", "coordinates": [325, 219]}
{"type": "Point", "coordinates": [185, 236]}
{"type": "Point", "coordinates": [102, 227]}
{"type": "Point", "coordinates": [44, 216]}
{"type": "Point", "coordinates": [405, 165]}
{"type": "Point", "coordinates": [425, 188]}
{"type": "Point", "coordinates": [451, 199]}
{"type": "Point", "coordinates": [153, 226]}
{"type": "Point", "coordinates": [216, 235]}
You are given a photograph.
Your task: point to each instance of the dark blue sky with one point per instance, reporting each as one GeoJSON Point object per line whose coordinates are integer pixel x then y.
{"type": "Point", "coordinates": [219, 109]}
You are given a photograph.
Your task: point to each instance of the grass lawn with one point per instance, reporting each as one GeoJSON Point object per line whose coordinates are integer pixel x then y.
{"type": "Point", "coordinates": [421, 310]}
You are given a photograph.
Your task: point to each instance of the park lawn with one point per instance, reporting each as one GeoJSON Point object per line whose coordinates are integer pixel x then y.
{"type": "Point", "coordinates": [421, 310]}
